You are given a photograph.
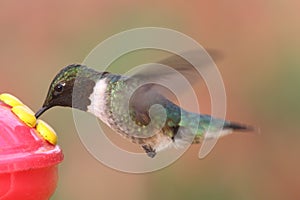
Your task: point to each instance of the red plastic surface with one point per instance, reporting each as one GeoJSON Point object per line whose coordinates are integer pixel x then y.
{"type": "Point", "coordinates": [36, 184]}
{"type": "Point", "coordinates": [28, 163]}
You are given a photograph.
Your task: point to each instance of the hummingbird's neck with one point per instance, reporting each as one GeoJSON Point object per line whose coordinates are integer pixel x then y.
{"type": "Point", "coordinates": [85, 89]}
{"type": "Point", "coordinates": [98, 100]}
{"type": "Point", "coordinates": [101, 96]}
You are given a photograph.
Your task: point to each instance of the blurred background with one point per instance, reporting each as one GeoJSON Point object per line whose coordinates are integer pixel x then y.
{"type": "Point", "coordinates": [260, 68]}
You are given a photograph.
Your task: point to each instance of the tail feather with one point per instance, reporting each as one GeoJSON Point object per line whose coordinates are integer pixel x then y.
{"type": "Point", "coordinates": [237, 127]}
{"type": "Point", "coordinates": [228, 128]}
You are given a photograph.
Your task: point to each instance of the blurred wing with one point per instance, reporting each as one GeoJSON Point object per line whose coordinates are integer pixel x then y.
{"type": "Point", "coordinates": [183, 71]}
{"type": "Point", "coordinates": [153, 76]}
{"type": "Point", "coordinates": [185, 63]}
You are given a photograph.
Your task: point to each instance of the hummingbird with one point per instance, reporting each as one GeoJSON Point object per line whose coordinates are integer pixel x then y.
{"type": "Point", "coordinates": [124, 104]}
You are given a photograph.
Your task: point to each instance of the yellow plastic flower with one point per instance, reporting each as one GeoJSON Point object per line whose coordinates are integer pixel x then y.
{"type": "Point", "coordinates": [25, 114]}
{"type": "Point", "coordinates": [46, 132]}
{"type": "Point", "coordinates": [10, 100]}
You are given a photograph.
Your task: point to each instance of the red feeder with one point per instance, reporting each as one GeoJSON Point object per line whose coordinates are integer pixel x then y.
{"type": "Point", "coordinates": [28, 163]}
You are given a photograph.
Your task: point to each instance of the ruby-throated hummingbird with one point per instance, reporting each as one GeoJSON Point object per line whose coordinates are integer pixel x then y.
{"type": "Point", "coordinates": [105, 94]}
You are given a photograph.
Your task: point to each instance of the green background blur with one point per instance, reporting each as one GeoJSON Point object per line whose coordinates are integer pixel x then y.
{"type": "Point", "coordinates": [261, 71]}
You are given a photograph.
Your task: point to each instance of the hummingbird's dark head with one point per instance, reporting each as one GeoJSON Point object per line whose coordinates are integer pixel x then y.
{"type": "Point", "coordinates": [61, 90]}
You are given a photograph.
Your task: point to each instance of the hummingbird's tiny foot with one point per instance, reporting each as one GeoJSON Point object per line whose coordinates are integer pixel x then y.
{"type": "Point", "coordinates": [149, 150]}
{"type": "Point", "coordinates": [173, 138]}
{"type": "Point", "coordinates": [151, 154]}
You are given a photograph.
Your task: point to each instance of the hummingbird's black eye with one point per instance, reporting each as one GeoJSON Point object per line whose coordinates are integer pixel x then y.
{"type": "Point", "coordinates": [59, 88]}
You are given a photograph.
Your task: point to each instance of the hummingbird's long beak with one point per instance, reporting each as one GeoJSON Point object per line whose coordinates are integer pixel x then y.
{"type": "Point", "coordinates": [40, 112]}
